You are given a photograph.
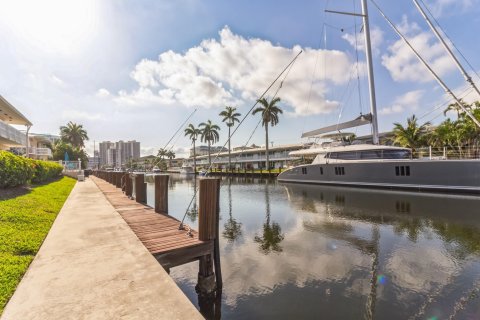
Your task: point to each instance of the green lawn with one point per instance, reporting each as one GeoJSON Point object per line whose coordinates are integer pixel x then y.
{"type": "Point", "coordinates": [26, 216]}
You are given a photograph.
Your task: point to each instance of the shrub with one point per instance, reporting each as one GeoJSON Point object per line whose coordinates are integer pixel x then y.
{"type": "Point", "coordinates": [15, 170]}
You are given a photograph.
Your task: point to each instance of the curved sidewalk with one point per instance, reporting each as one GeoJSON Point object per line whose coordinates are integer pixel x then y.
{"type": "Point", "coordinates": [92, 266]}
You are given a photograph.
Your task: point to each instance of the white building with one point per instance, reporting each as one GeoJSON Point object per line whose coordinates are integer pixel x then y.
{"type": "Point", "coordinates": [10, 136]}
{"type": "Point", "coordinates": [117, 154]}
{"type": "Point", "coordinates": [250, 158]}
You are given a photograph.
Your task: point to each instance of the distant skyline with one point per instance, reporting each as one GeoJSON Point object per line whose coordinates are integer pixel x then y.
{"type": "Point", "coordinates": [135, 70]}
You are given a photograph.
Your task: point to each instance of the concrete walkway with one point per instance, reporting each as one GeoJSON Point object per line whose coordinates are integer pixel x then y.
{"type": "Point", "coordinates": [92, 266]}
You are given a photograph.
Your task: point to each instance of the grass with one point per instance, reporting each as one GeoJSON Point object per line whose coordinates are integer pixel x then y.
{"type": "Point", "coordinates": [26, 215]}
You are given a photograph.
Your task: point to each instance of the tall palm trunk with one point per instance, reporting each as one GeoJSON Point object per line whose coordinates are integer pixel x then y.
{"type": "Point", "coordinates": [266, 147]}
{"type": "Point", "coordinates": [194, 160]}
{"type": "Point", "coordinates": [229, 161]}
{"type": "Point", "coordinates": [209, 158]}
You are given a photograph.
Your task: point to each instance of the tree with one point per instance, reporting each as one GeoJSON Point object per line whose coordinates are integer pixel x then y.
{"type": "Point", "coordinates": [269, 112]}
{"type": "Point", "coordinates": [193, 134]}
{"type": "Point", "coordinates": [59, 148]}
{"type": "Point", "coordinates": [170, 155]}
{"type": "Point", "coordinates": [74, 134]}
{"type": "Point", "coordinates": [412, 136]}
{"type": "Point", "coordinates": [209, 135]}
{"type": "Point", "coordinates": [230, 117]}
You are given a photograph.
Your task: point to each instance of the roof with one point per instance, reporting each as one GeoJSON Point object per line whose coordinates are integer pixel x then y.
{"type": "Point", "coordinates": [9, 114]}
{"type": "Point", "coordinates": [248, 150]}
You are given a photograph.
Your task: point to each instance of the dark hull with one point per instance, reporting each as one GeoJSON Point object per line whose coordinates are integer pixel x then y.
{"type": "Point", "coordinates": [452, 176]}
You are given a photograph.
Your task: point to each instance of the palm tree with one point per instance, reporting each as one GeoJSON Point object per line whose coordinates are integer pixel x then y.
{"type": "Point", "coordinates": [230, 117]}
{"type": "Point", "coordinates": [209, 135]}
{"type": "Point", "coordinates": [193, 134]}
{"type": "Point", "coordinates": [74, 134]}
{"type": "Point", "coordinates": [269, 112]}
{"type": "Point", "coordinates": [170, 155]}
{"type": "Point", "coordinates": [412, 136]}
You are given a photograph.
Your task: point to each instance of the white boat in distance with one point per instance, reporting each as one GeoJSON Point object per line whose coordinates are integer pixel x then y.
{"type": "Point", "coordinates": [378, 166]}
{"type": "Point", "coordinates": [185, 170]}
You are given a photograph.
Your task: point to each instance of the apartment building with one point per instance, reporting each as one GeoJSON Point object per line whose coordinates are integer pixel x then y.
{"type": "Point", "coordinates": [250, 157]}
{"type": "Point", "coordinates": [117, 154]}
{"type": "Point", "coordinates": [9, 135]}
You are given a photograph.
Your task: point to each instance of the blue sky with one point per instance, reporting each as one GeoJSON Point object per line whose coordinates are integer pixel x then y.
{"type": "Point", "coordinates": [136, 69]}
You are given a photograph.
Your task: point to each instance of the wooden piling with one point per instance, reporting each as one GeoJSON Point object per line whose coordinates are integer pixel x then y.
{"type": "Point", "coordinates": [118, 179]}
{"type": "Point", "coordinates": [161, 193]}
{"type": "Point", "coordinates": [208, 221]}
{"type": "Point", "coordinates": [140, 188]}
{"type": "Point", "coordinates": [128, 185]}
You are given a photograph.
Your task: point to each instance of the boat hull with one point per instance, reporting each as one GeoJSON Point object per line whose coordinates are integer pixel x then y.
{"type": "Point", "coordinates": [458, 176]}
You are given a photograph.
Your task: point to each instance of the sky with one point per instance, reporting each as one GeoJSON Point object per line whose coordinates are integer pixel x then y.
{"type": "Point", "coordinates": [135, 70]}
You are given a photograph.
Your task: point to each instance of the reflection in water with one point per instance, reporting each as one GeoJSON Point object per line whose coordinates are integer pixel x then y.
{"type": "Point", "coordinates": [232, 229]}
{"type": "Point", "coordinates": [342, 253]}
{"type": "Point", "coordinates": [272, 233]}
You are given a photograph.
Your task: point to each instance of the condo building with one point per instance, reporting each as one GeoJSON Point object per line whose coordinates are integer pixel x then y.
{"type": "Point", "coordinates": [117, 154]}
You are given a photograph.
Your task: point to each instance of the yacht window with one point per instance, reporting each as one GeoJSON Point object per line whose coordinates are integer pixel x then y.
{"type": "Point", "coordinates": [348, 155]}
{"type": "Point", "coordinates": [396, 154]}
{"type": "Point", "coordinates": [397, 171]}
{"type": "Point", "coordinates": [402, 170]}
{"type": "Point", "coordinates": [371, 154]}
{"type": "Point", "coordinates": [339, 171]}
{"type": "Point", "coordinates": [407, 170]}
{"type": "Point", "coordinates": [321, 170]}
{"type": "Point", "coordinates": [304, 170]}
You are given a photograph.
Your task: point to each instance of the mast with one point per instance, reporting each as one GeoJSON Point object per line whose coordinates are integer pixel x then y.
{"type": "Point", "coordinates": [445, 45]}
{"type": "Point", "coordinates": [368, 53]}
{"type": "Point", "coordinates": [371, 82]}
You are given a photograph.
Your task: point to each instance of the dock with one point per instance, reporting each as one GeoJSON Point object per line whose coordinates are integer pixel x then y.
{"type": "Point", "coordinates": [159, 232]}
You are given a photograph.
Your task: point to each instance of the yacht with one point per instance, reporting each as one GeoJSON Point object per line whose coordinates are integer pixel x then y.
{"type": "Point", "coordinates": [380, 166]}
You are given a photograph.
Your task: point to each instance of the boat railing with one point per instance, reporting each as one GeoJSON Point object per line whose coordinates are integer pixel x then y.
{"type": "Point", "coordinates": [447, 152]}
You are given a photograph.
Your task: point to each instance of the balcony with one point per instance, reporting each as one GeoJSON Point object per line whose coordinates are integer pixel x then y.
{"type": "Point", "coordinates": [10, 136]}
{"type": "Point", "coordinates": [40, 152]}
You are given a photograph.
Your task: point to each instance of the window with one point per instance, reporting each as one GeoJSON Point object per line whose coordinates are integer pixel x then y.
{"type": "Point", "coordinates": [402, 170]}
{"type": "Point", "coordinates": [321, 170]}
{"type": "Point", "coordinates": [304, 170]}
{"type": "Point", "coordinates": [340, 171]}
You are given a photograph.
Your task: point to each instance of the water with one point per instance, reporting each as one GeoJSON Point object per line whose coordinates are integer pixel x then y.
{"type": "Point", "coordinates": [291, 251]}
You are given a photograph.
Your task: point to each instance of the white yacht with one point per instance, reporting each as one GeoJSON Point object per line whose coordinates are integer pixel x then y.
{"type": "Point", "coordinates": [374, 165]}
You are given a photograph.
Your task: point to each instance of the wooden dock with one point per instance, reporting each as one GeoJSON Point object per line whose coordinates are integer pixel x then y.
{"type": "Point", "coordinates": [160, 233]}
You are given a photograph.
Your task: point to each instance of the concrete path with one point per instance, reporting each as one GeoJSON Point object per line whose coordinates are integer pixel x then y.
{"type": "Point", "coordinates": [92, 266]}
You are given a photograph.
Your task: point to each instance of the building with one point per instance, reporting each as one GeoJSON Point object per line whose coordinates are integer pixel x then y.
{"type": "Point", "coordinates": [10, 136]}
{"type": "Point", "coordinates": [250, 157]}
{"type": "Point", "coordinates": [93, 162]}
{"type": "Point", "coordinates": [203, 150]}
{"type": "Point", "coordinates": [117, 154]}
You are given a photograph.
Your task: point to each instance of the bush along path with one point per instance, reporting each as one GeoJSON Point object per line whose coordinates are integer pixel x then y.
{"type": "Point", "coordinates": [26, 216]}
{"type": "Point", "coordinates": [16, 171]}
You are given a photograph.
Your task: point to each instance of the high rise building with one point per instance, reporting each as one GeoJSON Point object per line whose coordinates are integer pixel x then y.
{"type": "Point", "coordinates": [117, 154]}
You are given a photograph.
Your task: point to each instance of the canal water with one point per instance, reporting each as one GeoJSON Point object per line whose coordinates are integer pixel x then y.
{"type": "Point", "coordinates": [292, 251]}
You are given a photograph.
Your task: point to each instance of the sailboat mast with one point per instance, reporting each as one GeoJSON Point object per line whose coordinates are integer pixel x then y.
{"type": "Point", "coordinates": [439, 37]}
{"type": "Point", "coordinates": [371, 82]}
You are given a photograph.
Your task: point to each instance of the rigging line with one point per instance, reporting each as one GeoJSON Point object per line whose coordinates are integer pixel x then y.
{"type": "Point", "coordinates": [287, 68]}
{"type": "Point", "coordinates": [442, 104]}
{"type": "Point", "coordinates": [451, 42]}
{"type": "Point", "coordinates": [437, 78]}
{"type": "Point", "coordinates": [176, 132]}
{"type": "Point", "coordinates": [311, 82]}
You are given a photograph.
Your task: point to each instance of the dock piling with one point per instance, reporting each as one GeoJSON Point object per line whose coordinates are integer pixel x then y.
{"type": "Point", "coordinates": [140, 188]}
{"type": "Point", "coordinates": [208, 220]}
{"type": "Point", "coordinates": [161, 193]}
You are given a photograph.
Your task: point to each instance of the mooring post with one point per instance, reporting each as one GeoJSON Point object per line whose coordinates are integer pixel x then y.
{"type": "Point", "coordinates": [161, 193]}
{"type": "Point", "coordinates": [118, 180]}
{"type": "Point", "coordinates": [140, 188]}
{"type": "Point", "coordinates": [128, 185]}
{"type": "Point", "coordinates": [208, 221]}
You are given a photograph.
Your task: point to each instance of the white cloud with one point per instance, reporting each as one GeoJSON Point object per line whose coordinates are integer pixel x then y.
{"type": "Point", "coordinates": [442, 7]}
{"type": "Point", "coordinates": [402, 63]}
{"type": "Point", "coordinates": [234, 69]}
{"type": "Point", "coordinates": [56, 80]}
{"type": "Point", "coordinates": [409, 100]}
{"type": "Point", "coordinates": [102, 93]}
{"type": "Point", "coordinates": [376, 39]}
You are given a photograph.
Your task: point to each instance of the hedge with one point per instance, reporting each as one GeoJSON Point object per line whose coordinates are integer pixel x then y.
{"type": "Point", "coordinates": [15, 170]}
